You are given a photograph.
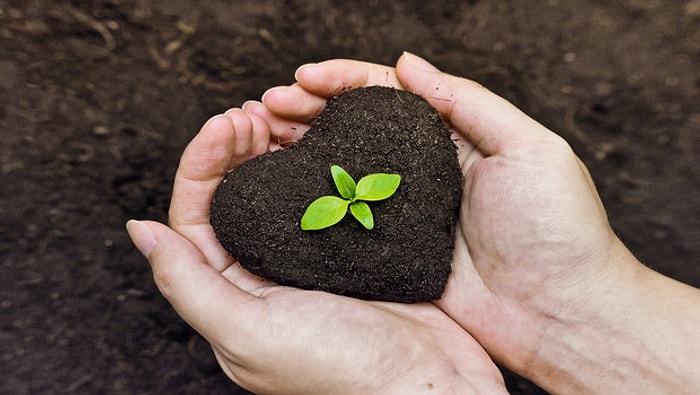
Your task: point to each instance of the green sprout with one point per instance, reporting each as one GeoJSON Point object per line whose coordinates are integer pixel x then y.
{"type": "Point", "coordinates": [329, 210]}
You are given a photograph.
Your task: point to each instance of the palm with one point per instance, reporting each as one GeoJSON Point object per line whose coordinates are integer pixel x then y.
{"type": "Point", "coordinates": [514, 256]}
{"type": "Point", "coordinates": [324, 342]}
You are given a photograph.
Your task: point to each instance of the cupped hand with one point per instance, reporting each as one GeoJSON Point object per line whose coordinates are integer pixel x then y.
{"type": "Point", "coordinates": [533, 241]}
{"type": "Point", "coordinates": [274, 339]}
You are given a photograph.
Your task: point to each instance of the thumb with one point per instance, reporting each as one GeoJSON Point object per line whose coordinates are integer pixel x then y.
{"type": "Point", "coordinates": [489, 122]}
{"type": "Point", "coordinates": [200, 294]}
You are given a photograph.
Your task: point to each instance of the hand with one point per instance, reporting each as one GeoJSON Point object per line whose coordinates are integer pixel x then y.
{"type": "Point", "coordinates": [521, 224]}
{"type": "Point", "coordinates": [273, 339]}
{"type": "Point", "coordinates": [539, 278]}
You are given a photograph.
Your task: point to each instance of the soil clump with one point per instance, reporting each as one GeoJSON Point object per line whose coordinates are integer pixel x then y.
{"type": "Point", "coordinates": [406, 257]}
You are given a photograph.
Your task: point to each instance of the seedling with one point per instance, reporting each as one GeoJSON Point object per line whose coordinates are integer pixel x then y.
{"type": "Point", "coordinates": [327, 211]}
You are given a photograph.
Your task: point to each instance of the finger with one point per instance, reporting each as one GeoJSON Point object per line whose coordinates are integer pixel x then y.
{"type": "Point", "coordinates": [294, 103]}
{"type": "Point", "coordinates": [245, 280]}
{"type": "Point", "coordinates": [489, 122]}
{"type": "Point", "coordinates": [200, 295]}
{"type": "Point", "coordinates": [290, 109]}
{"type": "Point", "coordinates": [332, 77]}
{"type": "Point", "coordinates": [282, 131]}
{"type": "Point", "coordinates": [203, 165]}
{"type": "Point", "coordinates": [243, 137]}
{"type": "Point", "coordinates": [252, 136]}
{"type": "Point", "coordinates": [261, 136]}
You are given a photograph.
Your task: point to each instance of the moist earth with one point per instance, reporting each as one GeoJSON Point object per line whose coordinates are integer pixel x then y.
{"type": "Point", "coordinates": [406, 257]}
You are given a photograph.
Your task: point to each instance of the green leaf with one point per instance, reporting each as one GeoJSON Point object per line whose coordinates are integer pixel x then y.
{"type": "Point", "coordinates": [378, 186]}
{"type": "Point", "coordinates": [324, 212]}
{"type": "Point", "coordinates": [362, 213]}
{"type": "Point", "coordinates": [343, 181]}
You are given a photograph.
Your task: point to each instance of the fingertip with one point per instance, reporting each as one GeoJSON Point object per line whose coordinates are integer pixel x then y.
{"type": "Point", "coordinates": [332, 77]}
{"type": "Point", "coordinates": [489, 122]}
{"type": "Point", "coordinates": [242, 134]}
{"type": "Point", "coordinates": [167, 252]}
{"type": "Point", "coordinates": [417, 61]}
{"type": "Point", "coordinates": [250, 104]}
{"type": "Point", "coordinates": [260, 137]}
{"type": "Point", "coordinates": [276, 98]}
{"type": "Point", "coordinates": [420, 76]}
{"type": "Point", "coordinates": [240, 121]}
{"type": "Point", "coordinates": [255, 108]}
{"type": "Point", "coordinates": [215, 123]}
{"type": "Point", "coordinates": [233, 113]}
{"type": "Point", "coordinates": [142, 237]}
{"type": "Point", "coordinates": [215, 130]}
{"type": "Point", "coordinates": [293, 103]}
{"type": "Point", "coordinates": [208, 154]}
{"type": "Point", "coordinates": [270, 92]}
{"type": "Point", "coordinates": [304, 69]}
{"type": "Point", "coordinates": [174, 259]}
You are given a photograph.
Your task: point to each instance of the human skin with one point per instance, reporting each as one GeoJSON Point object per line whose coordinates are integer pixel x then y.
{"type": "Point", "coordinates": [280, 340]}
{"type": "Point", "coordinates": [539, 277]}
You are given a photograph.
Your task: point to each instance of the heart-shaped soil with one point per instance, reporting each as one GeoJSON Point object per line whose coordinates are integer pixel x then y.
{"type": "Point", "coordinates": [406, 257]}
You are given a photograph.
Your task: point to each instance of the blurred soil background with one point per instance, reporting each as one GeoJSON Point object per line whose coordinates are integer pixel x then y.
{"type": "Point", "coordinates": [98, 98]}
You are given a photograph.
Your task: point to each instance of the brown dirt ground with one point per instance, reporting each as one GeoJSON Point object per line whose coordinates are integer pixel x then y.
{"type": "Point", "coordinates": [99, 97]}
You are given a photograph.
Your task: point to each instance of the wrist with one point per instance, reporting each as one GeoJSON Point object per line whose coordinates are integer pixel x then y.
{"type": "Point", "coordinates": [454, 385]}
{"type": "Point", "coordinates": [469, 374]}
{"type": "Point", "coordinates": [622, 335]}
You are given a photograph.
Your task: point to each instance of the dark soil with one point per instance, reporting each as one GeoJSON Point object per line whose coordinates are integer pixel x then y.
{"type": "Point", "coordinates": [406, 257]}
{"type": "Point", "coordinates": [98, 98]}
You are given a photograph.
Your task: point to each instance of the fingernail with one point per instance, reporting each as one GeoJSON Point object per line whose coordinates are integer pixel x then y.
{"type": "Point", "coordinates": [419, 62]}
{"type": "Point", "coordinates": [141, 236]}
